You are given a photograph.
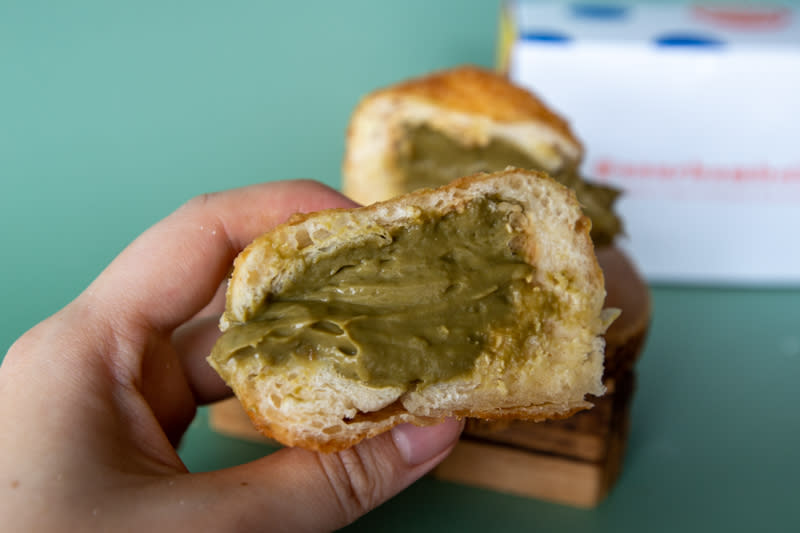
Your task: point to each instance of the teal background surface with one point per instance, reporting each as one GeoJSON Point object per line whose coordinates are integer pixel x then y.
{"type": "Point", "coordinates": [113, 114]}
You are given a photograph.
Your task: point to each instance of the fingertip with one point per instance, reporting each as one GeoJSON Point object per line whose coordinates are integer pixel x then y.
{"type": "Point", "coordinates": [420, 444]}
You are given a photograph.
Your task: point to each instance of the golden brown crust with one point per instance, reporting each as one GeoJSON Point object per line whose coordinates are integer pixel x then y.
{"type": "Point", "coordinates": [521, 414]}
{"type": "Point", "coordinates": [479, 91]}
{"type": "Point", "coordinates": [281, 430]}
{"type": "Point", "coordinates": [285, 436]}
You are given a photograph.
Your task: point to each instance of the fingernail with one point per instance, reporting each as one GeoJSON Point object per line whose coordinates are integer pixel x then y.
{"type": "Point", "coordinates": [419, 444]}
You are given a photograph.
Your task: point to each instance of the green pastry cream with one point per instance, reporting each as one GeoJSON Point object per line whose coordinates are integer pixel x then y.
{"type": "Point", "coordinates": [409, 310]}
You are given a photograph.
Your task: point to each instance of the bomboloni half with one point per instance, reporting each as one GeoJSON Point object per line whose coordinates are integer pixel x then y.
{"type": "Point", "coordinates": [482, 298]}
{"type": "Point", "coordinates": [428, 131]}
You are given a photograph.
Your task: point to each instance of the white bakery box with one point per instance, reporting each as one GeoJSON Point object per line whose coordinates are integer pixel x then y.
{"type": "Point", "coordinates": [693, 111]}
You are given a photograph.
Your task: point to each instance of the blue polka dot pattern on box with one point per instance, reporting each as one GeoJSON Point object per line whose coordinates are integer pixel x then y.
{"type": "Point", "coordinates": [599, 11]}
{"type": "Point", "coordinates": [545, 36]}
{"type": "Point", "coordinates": [688, 39]}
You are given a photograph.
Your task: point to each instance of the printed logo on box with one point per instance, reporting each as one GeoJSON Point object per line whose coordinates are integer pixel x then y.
{"type": "Point", "coordinates": [745, 18]}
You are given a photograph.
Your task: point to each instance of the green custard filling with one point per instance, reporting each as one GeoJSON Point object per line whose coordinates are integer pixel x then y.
{"type": "Point", "coordinates": [409, 310]}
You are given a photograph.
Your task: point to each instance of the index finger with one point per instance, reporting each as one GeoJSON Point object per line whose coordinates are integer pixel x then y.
{"type": "Point", "coordinates": [173, 269]}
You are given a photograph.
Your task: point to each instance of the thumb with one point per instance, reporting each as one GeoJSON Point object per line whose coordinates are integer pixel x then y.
{"type": "Point", "coordinates": [298, 490]}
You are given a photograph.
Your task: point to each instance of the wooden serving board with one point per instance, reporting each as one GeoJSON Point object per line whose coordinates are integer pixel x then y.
{"type": "Point", "coordinates": [573, 461]}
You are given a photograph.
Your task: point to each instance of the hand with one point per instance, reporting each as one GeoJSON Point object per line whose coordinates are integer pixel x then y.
{"type": "Point", "coordinates": [94, 399]}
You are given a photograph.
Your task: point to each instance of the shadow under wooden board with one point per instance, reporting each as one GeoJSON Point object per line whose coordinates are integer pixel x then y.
{"type": "Point", "coordinates": [574, 461]}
